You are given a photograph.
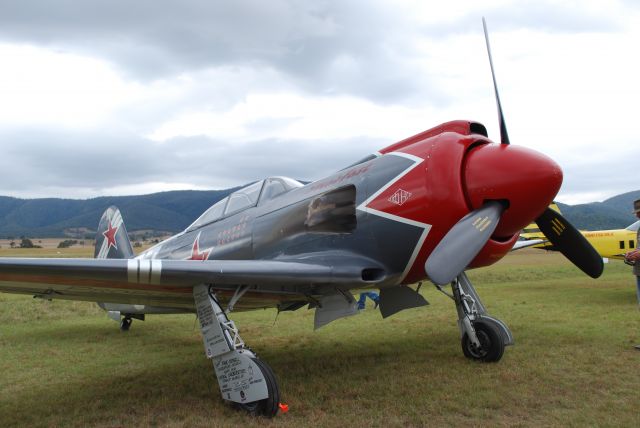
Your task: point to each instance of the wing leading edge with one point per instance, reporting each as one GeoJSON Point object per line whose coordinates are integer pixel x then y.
{"type": "Point", "coordinates": [170, 282]}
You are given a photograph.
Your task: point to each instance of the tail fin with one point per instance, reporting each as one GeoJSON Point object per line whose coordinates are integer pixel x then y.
{"type": "Point", "coordinates": [112, 241]}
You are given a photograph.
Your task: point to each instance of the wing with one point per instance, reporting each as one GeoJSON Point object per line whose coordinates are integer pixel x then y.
{"type": "Point", "coordinates": [169, 283]}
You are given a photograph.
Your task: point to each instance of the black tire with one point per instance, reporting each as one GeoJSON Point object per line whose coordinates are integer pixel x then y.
{"type": "Point", "coordinates": [125, 324]}
{"type": "Point", "coordinates": [269, 406]}
{"type": "Point", "coordinates": [491, 344]}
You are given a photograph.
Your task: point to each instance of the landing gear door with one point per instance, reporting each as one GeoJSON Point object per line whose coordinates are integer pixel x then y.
{"type": "Point", "coordinates": [240, 378]}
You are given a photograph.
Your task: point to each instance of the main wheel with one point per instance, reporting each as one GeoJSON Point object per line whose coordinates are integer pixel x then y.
{"type": "Point", "coordinates": [491, 346]}
{"type": "Point", "coordinates": [270, 405]}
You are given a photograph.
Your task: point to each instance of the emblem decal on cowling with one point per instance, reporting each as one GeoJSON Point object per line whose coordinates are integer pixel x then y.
{"type": "Point", "coordinates": [400, 197]}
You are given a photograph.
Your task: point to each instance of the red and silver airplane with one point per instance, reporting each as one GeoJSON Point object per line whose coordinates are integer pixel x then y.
{"type": "Point", "coordinates": [426, 208]}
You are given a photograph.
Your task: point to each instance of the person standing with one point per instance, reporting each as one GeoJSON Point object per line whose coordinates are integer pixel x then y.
{"type": "Point", "coordinates": [633, 257]}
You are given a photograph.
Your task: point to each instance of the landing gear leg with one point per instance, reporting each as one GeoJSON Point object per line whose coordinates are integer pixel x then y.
{"type": "Point", "coordinates": [244, 379]}
{"type": "Point", "coordinates": [483, 337]}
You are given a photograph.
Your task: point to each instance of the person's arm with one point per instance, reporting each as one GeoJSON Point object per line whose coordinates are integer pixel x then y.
{"type": "Point", "coordinates": [632, 256]}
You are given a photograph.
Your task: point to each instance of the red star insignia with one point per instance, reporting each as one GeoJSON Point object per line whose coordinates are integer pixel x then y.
{"type": "Point", "coordinates": [110, 235]}
{"type": "Point", "coordinates": [195, 251]}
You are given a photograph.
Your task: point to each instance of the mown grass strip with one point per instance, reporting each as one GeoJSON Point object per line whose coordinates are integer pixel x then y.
{"type": "Point", "coordinates": [65, 364]}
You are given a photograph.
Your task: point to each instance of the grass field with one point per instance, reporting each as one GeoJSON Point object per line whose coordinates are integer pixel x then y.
{"type": "Point", "coordinates": [66, 364]}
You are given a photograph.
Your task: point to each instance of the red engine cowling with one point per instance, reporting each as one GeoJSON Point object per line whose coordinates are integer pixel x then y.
{"type": "Point", "coordinates": [527, 181]}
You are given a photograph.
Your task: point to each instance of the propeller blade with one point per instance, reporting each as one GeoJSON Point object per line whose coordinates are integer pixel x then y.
{"type": "Point", "coordinates": [462, 243]}
{"type": "Point", "coordinates": [570, 242]}
{"type": "Point", "coordinates": [504, 137]}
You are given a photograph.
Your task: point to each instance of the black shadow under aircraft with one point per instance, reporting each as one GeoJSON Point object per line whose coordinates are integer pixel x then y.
{"type": "Point", "coordinates": [428, 207]}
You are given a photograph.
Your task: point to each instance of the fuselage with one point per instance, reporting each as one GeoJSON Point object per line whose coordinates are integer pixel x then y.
{"type": "Point", "coordinates": [373, 224]}
{"type": "Point", "coordinates": [610, 244]}
{"type": "Point", "coordinates": [391, 209]}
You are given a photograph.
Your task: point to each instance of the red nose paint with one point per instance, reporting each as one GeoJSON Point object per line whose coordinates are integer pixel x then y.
{"type": "Point", "coordinates": [526, 179]}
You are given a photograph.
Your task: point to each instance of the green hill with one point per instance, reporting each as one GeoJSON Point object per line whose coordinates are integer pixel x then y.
{"type": "Point", "coordinates": [613, 213]}
{"type": "Point", "coordinates": [50, 217]}
{"type": "Point", "coordinates": [173, 211]}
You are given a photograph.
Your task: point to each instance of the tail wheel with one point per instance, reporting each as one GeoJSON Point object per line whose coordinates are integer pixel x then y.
{"type": "Point", "coordinates": [491, 346]}
{"type": "Point", "coordinates": [270, 405]}
{"type": "Point", "coordinates": [125, 324]}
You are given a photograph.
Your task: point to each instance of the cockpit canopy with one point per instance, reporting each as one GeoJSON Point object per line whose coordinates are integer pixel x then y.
{"type": "Point", "coordinates": [634, 227]}
{"type": "Point", "coordinates": [252, 195]}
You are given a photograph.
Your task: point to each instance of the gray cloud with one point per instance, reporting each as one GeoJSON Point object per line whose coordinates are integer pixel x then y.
{"type": "Point", "coordinates": [328, 47]}
{"type": "Point", "coordinates": [43, 158]}
{"type": "Point", "coordinates": [362, 47]}
{"type": "Point", "coordinates": [561, 17]}
{"type": "Point", "coordinates": [544, 16]}
{"type": "Point", "coordinates": [229, 49]}
{"type": "Point", "coordinates": [604, 171]}
{"type": "Point", "coordinates": [50, 158]}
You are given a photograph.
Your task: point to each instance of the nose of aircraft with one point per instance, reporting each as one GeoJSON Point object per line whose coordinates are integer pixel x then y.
{"type": "Point", "coordinates": [523, 178]}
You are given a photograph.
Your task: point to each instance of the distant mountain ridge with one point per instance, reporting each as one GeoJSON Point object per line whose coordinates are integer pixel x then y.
{"type": "Point", "coordinates": [612, 213]}
{"type": "Point", "coordinates": [173, 211]}
{"type": "Point", "coordinates": [50, 217]}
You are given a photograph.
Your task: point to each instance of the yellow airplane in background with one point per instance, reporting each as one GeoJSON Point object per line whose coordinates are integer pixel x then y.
{"type": "Point", "coordinates": [610, 244]}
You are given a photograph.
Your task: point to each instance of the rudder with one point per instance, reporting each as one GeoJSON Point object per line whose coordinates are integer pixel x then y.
{"type": "Point", "coordinates": [112, 241]}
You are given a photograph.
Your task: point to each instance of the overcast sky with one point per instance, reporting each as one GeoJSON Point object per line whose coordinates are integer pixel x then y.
{"type": "Point", "coordinates": [129, 97]}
